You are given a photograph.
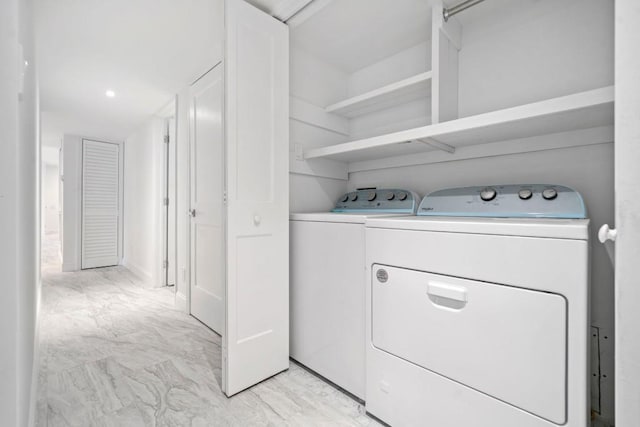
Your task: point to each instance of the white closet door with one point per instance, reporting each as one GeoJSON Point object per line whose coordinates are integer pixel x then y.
{"type": "Point", "coordinates": [256, 340]}
{"type": "Point", "coordinates": [627, 243]}
{"type": "Point", "coordinates": [100, 203]}
{"type": "Point", "coordinates": [207, 187]}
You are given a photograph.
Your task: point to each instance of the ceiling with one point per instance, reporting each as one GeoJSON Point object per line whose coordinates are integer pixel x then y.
{"type": "Point", "coordinates": [144, 50]}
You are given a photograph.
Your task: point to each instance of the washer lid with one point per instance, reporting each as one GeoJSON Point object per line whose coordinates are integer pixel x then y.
{"type": "Point", "coordinates": [344, 217]}
{"type": "Point", "coordinates": [576, 229]}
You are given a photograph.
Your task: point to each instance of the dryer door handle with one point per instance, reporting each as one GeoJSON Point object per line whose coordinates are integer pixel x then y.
{"type": "Point", "coordinates": [443, 290]}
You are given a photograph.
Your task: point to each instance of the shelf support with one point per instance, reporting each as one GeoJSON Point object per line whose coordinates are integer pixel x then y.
{"type": "Point", "coordinates": [437, 144]}
{"type": "Point", "coordinates": [445, 44]}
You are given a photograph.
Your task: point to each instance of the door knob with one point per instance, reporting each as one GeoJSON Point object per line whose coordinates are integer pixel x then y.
{"type": "Point", "coordinates": [257, 220]}
{"type": "Point", "coordinates": [605, 233]}
{"type": "Point", "coordinates": [192, 213]}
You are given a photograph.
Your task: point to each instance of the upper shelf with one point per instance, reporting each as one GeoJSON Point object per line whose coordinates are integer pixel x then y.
{"type": "Point", "coordinates": [582, 110]}
{"type": "Point", "coordinates": [406, 90]}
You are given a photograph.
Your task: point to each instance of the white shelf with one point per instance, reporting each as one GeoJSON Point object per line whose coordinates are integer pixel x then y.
{"type": "Point", "coordinates": [409, 89]}
{"type": "Point", "coordinates": [590, 109]}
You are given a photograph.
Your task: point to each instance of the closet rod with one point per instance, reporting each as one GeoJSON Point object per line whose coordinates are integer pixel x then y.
{"type": "Point", "coordinates": [448, 13]}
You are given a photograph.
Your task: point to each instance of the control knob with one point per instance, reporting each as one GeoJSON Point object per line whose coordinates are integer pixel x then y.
{"type": "Point", "coordinates": [525, 194]}
{"type": "Point", "coordinates": [353, 197]}
{"type": "Point", "coordinates": [371, 196]}
{"type": "Point", "coordinates": [344, 198]}
{"type": "Point", "coordinates": [549, 193]}
{"type": "Point", "coordinates": [390, 195]}
{"type": "Point", "coordinates": [488, 194]}
{"type": "Point", "coordinates": [402, 196]}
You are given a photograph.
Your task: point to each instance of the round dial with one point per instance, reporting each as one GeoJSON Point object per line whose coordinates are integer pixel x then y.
{"type": "Point", "coordinates": [549, 194]}
{"type": "Point", "coordinates": [525, 194]}
{"type": "Point", "coordinates": [353, 197]}
{"type": "Point", "coordinates": [390, 195]}
{"type": "Point", "coordinates": [344, 198]}
{"type": "Point", "coordinates": [488, 194]}
{"type": "Point", "coordinates": [371, 196]}
{"type": "Point", "coordinates": [402, 195]}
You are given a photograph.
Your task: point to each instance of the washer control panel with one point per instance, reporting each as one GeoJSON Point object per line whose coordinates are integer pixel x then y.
{"type": "Point", "coordinates": [367, 200]}
{"type": "Point", "coordinates": [505, 201]}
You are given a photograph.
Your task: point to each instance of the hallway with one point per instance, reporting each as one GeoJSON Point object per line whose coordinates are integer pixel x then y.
{"type": "Point", "coordinates": [113, 353]}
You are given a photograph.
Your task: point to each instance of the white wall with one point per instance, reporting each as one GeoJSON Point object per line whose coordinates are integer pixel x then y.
{"type": "Point", "coordinates": [50, 201]}
{"type": "Point", "coordinates": [143, 197]}
{"type": "Point", "coordinates": [532, 50]}
{"type": "Point", "coordinates": [19, 213]}
{"type": "Point", "coordinates": [319, 84]}
{"type": "Point", "coordinates": [404, 64]}
{"type": "Point", "coordinates": [71, 202]}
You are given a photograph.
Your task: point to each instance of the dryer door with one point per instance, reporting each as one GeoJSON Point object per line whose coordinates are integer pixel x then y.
{"type": "Point", "coordinates": [507, 342]}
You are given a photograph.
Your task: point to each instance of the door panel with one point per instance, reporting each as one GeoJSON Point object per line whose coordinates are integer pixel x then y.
{"type": "Point", "coordinates": [207, 180]}
{"type": "Point", "coordinates": [627, 207]}
{"type": "Point", "coordinates": [506, 342]}
{"type": "Point", "coordinates": [256, 342]}
{"type": "Point", "coordinates": [100, 204]}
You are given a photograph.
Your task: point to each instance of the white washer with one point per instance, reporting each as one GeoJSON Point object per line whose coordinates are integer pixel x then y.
{"type": "Point", "coordinates": [328, 281]}
{"type": "Point", "coordinates": [476, 320]}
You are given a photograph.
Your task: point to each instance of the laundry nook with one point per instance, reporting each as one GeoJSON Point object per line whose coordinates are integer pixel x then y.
{"type": "Point", "coordinates": [407, 213]}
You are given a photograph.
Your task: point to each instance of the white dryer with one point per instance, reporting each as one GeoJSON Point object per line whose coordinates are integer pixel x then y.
{"type": "Point", "coordinates": [478, 310]}
{"type": "Point", "coordinates": [328, 280]}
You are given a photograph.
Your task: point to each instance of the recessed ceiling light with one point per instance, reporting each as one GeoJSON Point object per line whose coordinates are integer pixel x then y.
{"type": "Point", "coordinates": [110, 93]}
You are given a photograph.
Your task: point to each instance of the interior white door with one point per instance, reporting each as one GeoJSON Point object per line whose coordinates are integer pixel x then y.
{"type": "Point", "coordinates": [627, 244]}
{"type": "Point", "coordinates": [100, 203]}
{"type": "Point", "coordinates": [256, 338]}
{"type": "Point", "coordinates": [207, 200]}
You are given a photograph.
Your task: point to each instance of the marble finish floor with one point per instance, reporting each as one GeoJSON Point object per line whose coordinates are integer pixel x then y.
{"type": "Point", "coordinates": [114, 353]}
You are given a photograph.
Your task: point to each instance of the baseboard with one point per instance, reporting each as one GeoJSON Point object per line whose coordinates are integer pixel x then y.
{"type": "Point", "coordinates": [138, 272]}
{"type": "Point", "coordinates": [68, 267]}
{"type": "Point", "coordinates": [181, 302]}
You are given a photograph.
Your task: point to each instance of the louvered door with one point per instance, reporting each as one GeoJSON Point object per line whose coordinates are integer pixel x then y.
{"type": "Point", "coordinates": [100, 204]}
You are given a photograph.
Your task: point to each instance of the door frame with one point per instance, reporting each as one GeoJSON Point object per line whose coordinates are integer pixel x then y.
{"type": "Point", "coordinates": [167, 113]}
{"type": "Point", "coordinates": [170, 211]}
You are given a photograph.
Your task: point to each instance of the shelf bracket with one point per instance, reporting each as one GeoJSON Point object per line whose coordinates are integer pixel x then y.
{"type": "Point", "coordinates": [437, 144]}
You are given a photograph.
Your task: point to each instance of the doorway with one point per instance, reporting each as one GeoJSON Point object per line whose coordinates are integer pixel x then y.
{"type": "Point", "coordinates": [207, 208]}
{"type": "Point", "coordinates": [100, 233]}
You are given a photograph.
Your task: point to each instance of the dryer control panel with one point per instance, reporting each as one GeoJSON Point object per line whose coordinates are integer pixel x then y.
{"type": "Point", "coordinates": [367, 200]}
{"type": "Point", "coordinates": [505, 201]}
